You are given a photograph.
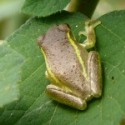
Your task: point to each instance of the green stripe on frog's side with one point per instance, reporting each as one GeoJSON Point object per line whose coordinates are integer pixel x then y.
{"type": "Point", "coordinates": [49, 70]}
{"type": "Point", "coordinates": [77, 51]}
{"type": "Point", "coordinates": [53, 77]}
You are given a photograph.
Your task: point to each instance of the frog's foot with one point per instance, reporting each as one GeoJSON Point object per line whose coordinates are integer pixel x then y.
{"type": "Point", "coordinates": [89, 24]}
{"type": "Point", "coordinates": [64, 97]}
{"type": "Point", "coordinates": [82, 33]}
{"type": "Point", "coordinates": [95, 75]}
{"type": "Point", "coordinates": [89, 33]}
{"type": "Point", "coordinates": [93, 23]}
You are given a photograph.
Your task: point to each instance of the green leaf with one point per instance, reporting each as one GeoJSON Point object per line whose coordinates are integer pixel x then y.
{"type": "Point", "coordinates": [36, 108]}
{"type": "Point", "coordinates": [10, 64]}
{"type": "Point", "coordinates": [42, 8]}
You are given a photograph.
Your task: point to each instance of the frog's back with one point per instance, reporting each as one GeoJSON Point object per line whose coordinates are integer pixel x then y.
{"type": "Point", "coordinates": [62, 58]}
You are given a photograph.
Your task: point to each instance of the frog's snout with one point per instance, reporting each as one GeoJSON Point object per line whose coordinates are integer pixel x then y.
{"type": "Point", "coordinates": [40, 40]}
{"type": "Point", "coordinates": [64, 27]}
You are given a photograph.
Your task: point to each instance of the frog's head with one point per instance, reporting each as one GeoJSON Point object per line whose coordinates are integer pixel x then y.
{"type": "Point", "coordinates": [53, 36]}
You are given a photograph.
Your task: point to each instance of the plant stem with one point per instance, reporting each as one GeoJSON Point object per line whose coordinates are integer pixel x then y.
{"type": "Point", "coordinates": [86, 7]}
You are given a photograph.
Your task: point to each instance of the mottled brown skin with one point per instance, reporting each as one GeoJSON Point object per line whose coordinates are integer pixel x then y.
{"type": "Point", "coordinates": [75, 89]}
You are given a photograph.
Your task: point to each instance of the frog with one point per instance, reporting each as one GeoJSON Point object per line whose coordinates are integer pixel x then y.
{"type": "Point", "coordinates": [74, 71]}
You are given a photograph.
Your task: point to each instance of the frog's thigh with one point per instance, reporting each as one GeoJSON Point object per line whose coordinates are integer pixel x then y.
{"type": "Point", "coordinates": [94, 71]}
{"type": "Point", "coordinates": [61, 96]}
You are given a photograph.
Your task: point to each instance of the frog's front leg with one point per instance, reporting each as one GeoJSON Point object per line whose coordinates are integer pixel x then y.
{"type": "Point", "coordinates": [89, 33]}
{"type": "Point", "coordinates": [65, 97]}
{"type": "Point", "coordinates": [94, 72]}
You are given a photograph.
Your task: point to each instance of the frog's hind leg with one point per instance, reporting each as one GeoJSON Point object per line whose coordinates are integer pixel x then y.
{"type": "Point", "coordinates": [64, 97]}
{"type": "Point", "coordinates": [94, 71]}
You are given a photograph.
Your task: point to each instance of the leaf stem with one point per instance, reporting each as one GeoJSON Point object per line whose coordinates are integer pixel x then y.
{"type": "Point", "coordinates": [86, 7]}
